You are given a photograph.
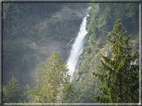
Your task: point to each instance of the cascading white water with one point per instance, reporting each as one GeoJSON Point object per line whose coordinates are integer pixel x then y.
{"type": "Point", "coordinates": [77, 48]}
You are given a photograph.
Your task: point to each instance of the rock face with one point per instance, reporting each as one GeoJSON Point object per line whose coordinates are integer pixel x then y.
{"type": "Point", "coordinates": [70, 14]}
{"type": "Point", "coordinates": [65, 29]}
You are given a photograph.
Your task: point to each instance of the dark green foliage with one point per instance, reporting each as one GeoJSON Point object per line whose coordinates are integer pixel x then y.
{"type": "Point", "coordinates": [11, 92]}
{"type": "Point", "coordinates": [52, 83]}
{"type": "Point", "coordinates": [102, 17]}
{"type": "Point", "coordinates": [120, 77]}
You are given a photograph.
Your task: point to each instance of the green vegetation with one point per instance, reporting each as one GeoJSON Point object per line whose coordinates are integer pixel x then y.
{"type": "Point", "coordinates": [120, 71]}
{"type": "Point", "coordinates": [102, 17]}
{"type": "Point", "coordinates": [27, 26]}
{"type": "Point", "coordinates": [52, 83]}
{"type": "Point", "coordinates": [11, 92]}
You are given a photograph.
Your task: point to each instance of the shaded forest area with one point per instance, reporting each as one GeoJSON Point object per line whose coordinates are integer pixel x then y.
{"type": "Point", "coordinates": [19, 32]}
{"type": "Point", "coordinates": [86, 87]}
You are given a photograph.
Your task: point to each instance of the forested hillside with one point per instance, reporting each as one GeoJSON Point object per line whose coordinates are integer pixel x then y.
{"type": "Point", "coordinates": [100, 22]}
{"type": "Point", "coordinates": [32, 31]}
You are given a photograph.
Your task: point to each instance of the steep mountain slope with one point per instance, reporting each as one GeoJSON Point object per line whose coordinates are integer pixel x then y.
{"type": "Point", "coordinates": [32, 31]}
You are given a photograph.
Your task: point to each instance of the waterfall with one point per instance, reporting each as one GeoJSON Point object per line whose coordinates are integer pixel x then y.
{"type": "Point", "coordinates": [77, 48]}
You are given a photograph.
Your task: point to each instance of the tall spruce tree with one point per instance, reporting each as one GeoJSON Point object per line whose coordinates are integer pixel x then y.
{"type": "Point", "coordinates": [52, 82]}
{"type": "Point", "coordinates": [120, 81]}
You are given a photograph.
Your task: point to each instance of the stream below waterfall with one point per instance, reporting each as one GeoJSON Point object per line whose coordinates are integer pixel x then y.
{"type": "Point", "coordinates": [77, 48]}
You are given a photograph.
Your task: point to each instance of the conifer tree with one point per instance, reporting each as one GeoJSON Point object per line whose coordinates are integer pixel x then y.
{"type": "Point", "coordinates": [120, 71]}
{"type": "Point", "coordinates": [11, 92]}
{"type": "Point", "coordinates": [52, 82]}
